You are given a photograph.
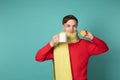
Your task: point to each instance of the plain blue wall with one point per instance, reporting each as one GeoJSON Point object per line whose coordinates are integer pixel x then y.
{"type": "Point", "coordinates": [27, 25]}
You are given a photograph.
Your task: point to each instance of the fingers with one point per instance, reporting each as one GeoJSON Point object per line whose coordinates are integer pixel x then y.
{"type": "Point", "coordinates": [55, 38]}
{"type": "Point", "coordinates": [88, 35]}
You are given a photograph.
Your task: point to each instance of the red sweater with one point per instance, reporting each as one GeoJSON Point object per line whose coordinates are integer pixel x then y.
{"type": "Point", "coordinates": [79, 55]}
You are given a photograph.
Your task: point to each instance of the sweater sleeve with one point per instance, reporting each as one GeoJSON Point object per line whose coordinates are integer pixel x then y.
{"type": "Point", "coordinates": [97, 46]}
{"type": "Point", "coordinates": [45, 53]}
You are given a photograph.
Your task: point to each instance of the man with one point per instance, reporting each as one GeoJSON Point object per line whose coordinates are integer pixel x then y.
{"type": "Point", "coordinates": [70, 59]}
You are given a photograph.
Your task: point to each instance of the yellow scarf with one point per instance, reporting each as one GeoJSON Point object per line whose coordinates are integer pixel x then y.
{"type": "Point", "coordinates": [61, 62]}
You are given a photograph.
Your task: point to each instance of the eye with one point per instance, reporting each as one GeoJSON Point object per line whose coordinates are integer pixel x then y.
{"type": "Point", "coordinates": [68, 25]}
{"type": "Point", "coordinates": [75, 26]}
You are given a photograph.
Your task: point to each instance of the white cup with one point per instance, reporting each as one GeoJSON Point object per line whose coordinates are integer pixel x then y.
{"type": "Point", "coordinates": [62, 37]}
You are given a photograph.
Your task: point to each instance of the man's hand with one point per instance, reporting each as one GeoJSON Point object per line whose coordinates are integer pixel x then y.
{"type": "Point", "coordinates": [89, 35]}
{"type": "Point", "coordinates": [86, 34]}
{"type": "Point", "coordinates": [55, 40]}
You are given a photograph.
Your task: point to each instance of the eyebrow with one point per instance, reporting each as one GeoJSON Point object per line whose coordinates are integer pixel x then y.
{"type": "Point", "coordinates": [69, 24]}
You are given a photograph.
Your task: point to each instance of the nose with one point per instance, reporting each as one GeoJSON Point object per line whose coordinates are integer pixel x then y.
{"type": "Point", "coordinates": [72, 29]}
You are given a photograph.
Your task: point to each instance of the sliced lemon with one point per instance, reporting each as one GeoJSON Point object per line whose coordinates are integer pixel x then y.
{"type": "Point", "coordinates": [83, 33]}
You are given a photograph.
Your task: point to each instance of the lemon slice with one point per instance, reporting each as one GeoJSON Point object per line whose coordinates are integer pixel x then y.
{"type": "Point", "coordinates": [83, 33]}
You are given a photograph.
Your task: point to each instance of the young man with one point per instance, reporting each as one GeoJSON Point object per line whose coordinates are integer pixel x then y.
{"type": "Point", "coordinates": [70, 59]}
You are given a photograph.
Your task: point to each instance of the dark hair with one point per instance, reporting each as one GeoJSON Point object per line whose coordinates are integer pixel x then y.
{"type": "Point", "coordinates": [69, 17]}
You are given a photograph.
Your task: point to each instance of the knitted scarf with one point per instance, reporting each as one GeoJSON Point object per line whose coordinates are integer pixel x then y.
{"type": "Point", "coordinates": [61, 62]}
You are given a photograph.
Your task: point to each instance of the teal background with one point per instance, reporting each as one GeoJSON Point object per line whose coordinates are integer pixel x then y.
{"type": "Point", "coordinates": [27, 25]}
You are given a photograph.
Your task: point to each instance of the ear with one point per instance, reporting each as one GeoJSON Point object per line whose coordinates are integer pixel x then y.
{"type": "Point", "coordinates": [63, 27]}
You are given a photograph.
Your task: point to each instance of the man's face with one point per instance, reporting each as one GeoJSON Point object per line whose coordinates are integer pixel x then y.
{"type": "Point", "coordinates": [70, 26]}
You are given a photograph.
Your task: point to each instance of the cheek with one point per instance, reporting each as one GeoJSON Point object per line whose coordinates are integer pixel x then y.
{"type": "Point", "coordinates": [75, 29]}
{"type": "Point", "coordinates": [66, 29]}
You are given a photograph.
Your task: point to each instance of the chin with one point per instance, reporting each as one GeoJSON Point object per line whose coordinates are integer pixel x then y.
{"type": "Point", "coordinates": [70, 32]}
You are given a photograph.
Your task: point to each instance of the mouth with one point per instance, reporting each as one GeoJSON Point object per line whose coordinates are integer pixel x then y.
{"type": "Point", "coordinates": [71, 32]}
